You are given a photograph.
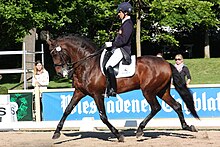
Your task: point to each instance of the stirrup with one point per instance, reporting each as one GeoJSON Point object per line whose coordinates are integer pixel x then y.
{"type": "Point", "coordinates": [112, 92]}
{"type": "Point", "coordinates": [109, 92]}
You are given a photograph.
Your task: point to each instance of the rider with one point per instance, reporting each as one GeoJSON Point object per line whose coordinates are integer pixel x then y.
{"type": "Point", "coordinates": [120, 47]}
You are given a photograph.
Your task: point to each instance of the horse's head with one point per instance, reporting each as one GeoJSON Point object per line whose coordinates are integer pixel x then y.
{"type": "Point", "coordinates": [70, 50]}
{"type": "Point", "coordinates": [60, 57]}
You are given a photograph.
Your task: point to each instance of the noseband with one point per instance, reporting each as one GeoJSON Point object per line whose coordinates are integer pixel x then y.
{"type": "Point", "coordinates": [61, 64]}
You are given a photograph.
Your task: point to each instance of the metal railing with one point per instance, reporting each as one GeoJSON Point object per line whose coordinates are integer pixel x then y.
{"type": "Point", "coordinates": [23, 69]}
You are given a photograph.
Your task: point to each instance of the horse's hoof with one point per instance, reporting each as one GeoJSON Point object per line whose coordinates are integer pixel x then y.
{"type": "Point", "coordinates": [139, 134]}
{"type": "Point", "coordinates": [121, 138]}
{"type": "Point", "coordinates": [193, 128]}
{"type": "Point", "coordinates": [56, 135]}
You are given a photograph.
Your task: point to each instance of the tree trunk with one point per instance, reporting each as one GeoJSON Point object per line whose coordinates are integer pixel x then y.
{"type": "Point", "coordinates": [138, 34]}
{"type": "Point", "coordinates": [207, 47]}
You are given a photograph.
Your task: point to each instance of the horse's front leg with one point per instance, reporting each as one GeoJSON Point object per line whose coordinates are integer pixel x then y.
{"type": "Point", "coordinates": [74, 101]}
{"type": "Point", "coordinates": [101, 107]}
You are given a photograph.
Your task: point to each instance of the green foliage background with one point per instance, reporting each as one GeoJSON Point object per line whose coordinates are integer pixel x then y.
{"type": "Point", "coordinates": [94, 18]}
{"type": "Point", "coordinates": [162, 23]}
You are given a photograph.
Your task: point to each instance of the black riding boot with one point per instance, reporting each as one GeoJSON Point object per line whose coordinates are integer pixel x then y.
{"type": "Point", "coordinates": [111, 82]}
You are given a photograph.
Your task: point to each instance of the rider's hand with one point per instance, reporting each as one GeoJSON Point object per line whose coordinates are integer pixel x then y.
{"type": "Point", "coordinates": [108, 44]}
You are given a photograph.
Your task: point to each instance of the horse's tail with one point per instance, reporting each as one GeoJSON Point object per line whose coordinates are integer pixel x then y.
{"type": "Point", "coordinates": [183, 91]}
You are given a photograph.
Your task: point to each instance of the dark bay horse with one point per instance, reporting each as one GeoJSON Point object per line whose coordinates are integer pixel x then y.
{"type": "Point", "coordinates": [153, 76]}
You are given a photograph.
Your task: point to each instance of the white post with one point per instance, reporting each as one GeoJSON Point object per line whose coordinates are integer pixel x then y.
{"type": "Point", "coordinates": [42, 54]}
{"type": "Point", "coordinates": [24, 68]}
{"type": "Point", "coordinates": [37, 104]}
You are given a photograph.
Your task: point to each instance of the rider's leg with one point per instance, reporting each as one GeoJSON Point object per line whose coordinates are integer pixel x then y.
{"type": "Point", "coordinates": [111, 80]}
{"type": "Point", "coordinates": [115, 58]}
{"type": "Point", "coordinates": [112, 87]}
{"type": "Point", "coordinates": [106, 57]}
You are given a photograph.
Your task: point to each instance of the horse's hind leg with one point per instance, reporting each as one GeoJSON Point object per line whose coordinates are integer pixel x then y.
{"type": "Point", "coordinates": [155, 108]}
{"type": "Point", "coordinates": [74, 101]}
{"type": "Point", "coordinates": [178, 109]}
{"type": "Point", "coordinates": [101, 107]}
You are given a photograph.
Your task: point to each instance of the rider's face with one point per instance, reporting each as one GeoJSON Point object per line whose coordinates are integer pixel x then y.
{"type": "Point", "coordinates": [121, 14]}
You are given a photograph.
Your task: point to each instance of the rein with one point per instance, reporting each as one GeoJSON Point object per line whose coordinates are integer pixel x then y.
{"type": "Point", "coordinates": [71, 70]}
{"type": "Point", "coordinates": [86, 58]}
{"type": "Point", "coordinates": [79, 62]}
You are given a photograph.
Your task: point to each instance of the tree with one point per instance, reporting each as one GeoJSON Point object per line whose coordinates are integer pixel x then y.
{"type": "Point", "coordinates": [138, 27]}
{"type": "Point", "coordinates": [168, 18]}
{"type": "Point", "coordinates": [86, 17]}
{"type": "Point", "coordinates": [161, 20]}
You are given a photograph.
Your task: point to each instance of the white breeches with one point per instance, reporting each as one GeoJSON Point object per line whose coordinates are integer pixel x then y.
{"type": "Point", "coordinates": [115, 58]}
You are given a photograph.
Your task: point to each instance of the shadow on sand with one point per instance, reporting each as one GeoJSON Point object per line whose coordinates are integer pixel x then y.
{"type": "Point", "coordinates": [108, 136]}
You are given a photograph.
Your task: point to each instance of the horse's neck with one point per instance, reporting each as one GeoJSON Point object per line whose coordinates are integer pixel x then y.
{"type": "Point", "coordinates": [77, 56]}
{"type": "Point", "coordinates": [87, 68]}
{"type": "Point", "coordinates": [85, 59]}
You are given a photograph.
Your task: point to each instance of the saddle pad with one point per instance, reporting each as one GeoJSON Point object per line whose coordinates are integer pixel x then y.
{"type": "Point", "coordinates": [124, 70]}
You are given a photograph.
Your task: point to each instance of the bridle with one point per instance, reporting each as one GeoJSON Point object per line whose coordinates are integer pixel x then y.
{"type": "Point", "coordinates": [79, 62]}
{"type": "Point", "coordinates": [59, 51]}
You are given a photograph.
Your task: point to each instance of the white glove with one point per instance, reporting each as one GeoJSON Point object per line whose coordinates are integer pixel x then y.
{"type": "Point", "coordinates": [108, 44]}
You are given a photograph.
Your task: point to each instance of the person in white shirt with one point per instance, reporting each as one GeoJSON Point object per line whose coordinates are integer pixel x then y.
{"type": "Point", "coordinates": [40, 80]}
{"type": "Point", "coordinates": [40, 76]}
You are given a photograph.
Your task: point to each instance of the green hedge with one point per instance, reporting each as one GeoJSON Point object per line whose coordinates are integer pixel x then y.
{"type": "Point", "coordinates": [3, 90]}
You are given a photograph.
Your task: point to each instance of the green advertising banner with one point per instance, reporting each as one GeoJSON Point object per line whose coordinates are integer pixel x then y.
{"type": "Point", "coordinates": [25, 105]}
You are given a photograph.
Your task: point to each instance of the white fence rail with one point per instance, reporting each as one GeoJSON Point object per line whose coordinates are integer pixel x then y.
{"type": "Point", "coordinates": [23, 70]}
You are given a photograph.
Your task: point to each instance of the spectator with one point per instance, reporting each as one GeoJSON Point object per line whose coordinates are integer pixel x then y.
{"type": "Point", "coordinates": [40, 76]}
{"type": "Point", "coordinates": [40, 80]}
{"type": "Point", "coordinates": [182, 69]}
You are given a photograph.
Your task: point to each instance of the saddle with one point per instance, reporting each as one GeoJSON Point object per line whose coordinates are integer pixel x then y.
{"type": "Point", "coordinates": [123, 68]}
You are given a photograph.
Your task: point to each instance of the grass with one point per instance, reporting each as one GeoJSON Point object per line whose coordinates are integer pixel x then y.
{"type": "Point", "coordinates": [203, 71]}
{"type": "Point", "coordinates": [55, 83]}
{"type": "Point", "coordinates": [61, 83]}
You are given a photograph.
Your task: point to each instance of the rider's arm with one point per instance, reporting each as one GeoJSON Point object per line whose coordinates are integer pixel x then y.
{"type": "Point", "coordinates": [124, 35]}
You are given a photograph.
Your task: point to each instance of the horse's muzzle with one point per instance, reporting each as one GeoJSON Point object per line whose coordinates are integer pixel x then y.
{"type": "Point", "coordinates": [63, 73]}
